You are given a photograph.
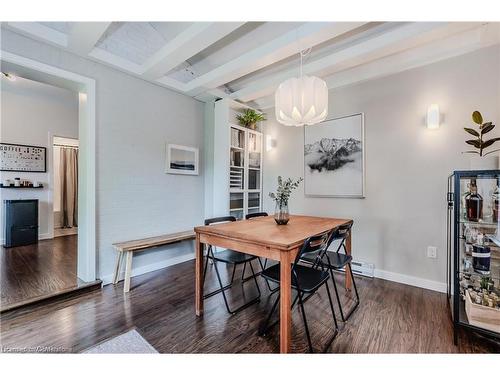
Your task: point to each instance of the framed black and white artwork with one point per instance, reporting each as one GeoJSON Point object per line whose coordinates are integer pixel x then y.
{"type": "Point", "coordinates": [182, 160]}
{"type": "Point", "coordinates": [334, 158]}
{"type": "Point", "coordinates": [22, 158]}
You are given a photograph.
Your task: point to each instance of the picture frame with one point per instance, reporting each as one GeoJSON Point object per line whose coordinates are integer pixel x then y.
{"type": "Point", "coordinates": [23, 158]}
{"type": "Point", "coordinates": [334, 158]}
{"type": "Point", "coordinates": [182, 160]}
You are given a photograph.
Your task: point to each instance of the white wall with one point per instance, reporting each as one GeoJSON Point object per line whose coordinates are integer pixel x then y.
{"type": "Point", "coordinates": [407, 165]}
{"type": "Point", "coordinates": [135, 119]}
{"type": "Point", "coordinates": [32, 113]}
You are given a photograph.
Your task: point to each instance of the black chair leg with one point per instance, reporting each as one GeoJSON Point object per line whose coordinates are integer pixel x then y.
{"type": "Point", "coordinates": [334, 318]}
{"type": "Point", "coordinates": [257, 299]}
{"type": "Point", "coordinates": [264, 328]}
{"type": "Point", "coordinates": [263, 267]}
{"type": "Point", "coordinates": [244, 269]}
{"type": "Point", "coordinates": [349, 313]}
{"type": "Point", "coordinates": [228, 286]}
{"type": "Point", "coordinates": [232, 276]}
{"type": "Point", "coordinates": [337, 295]}
{"type": "Point", "coordinates": [301, 303]}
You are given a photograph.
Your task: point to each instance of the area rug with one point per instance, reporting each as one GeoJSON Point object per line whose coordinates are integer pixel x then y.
{"type": "Point", "coordinates": [128, 343]}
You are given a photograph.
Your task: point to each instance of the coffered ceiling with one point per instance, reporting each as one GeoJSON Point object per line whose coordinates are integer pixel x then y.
{"type": "Point", "coordinates": [246, 61]}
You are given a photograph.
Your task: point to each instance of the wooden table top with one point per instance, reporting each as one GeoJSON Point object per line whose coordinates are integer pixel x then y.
{"type": "Point", "coordinates": [265, 231]}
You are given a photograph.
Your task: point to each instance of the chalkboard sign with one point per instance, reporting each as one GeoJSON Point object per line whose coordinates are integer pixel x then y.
{"type": "Point", "coordinates": [22, 158]}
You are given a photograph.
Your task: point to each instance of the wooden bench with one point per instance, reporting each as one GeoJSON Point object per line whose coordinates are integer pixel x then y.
{"type": "Point", "coordinates": [128, 248]}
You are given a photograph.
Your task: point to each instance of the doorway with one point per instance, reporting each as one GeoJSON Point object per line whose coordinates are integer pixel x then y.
{"type": "Point", "coordinates": [83, 215]}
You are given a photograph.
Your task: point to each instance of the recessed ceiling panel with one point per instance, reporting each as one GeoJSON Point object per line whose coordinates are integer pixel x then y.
{"type": "Point", "coordinates": [62, 27]}
{"type": "Point", "coordinates": [137, 41]}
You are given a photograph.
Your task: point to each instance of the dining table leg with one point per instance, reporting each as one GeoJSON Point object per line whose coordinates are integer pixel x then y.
{"type": "Point", "coordinates": [199, 276]}
{"type": "Point", "coordinates": [285, 302]}
{"type": "Point", "coordinates": [348, 278]}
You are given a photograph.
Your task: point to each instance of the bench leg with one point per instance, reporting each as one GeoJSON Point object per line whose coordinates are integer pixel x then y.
{"type": "Point", "coordinates": [128, 271]}
{"type": "Point", "coordinates": [116, 276]}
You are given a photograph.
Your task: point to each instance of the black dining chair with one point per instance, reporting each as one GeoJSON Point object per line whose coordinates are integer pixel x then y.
{"type": "Point", "coordinates": [233, 258]}
{"type": "Point", "coordinates": [334, 261]}
{"type": "Point", "coordinates": [262, 266]}
{"type": "Point", "coordinates": [305, 281]}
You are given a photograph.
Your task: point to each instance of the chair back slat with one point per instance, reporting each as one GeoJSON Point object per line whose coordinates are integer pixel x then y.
{"type": "Point", "coordinates": [256, 214]}
{"type": "Point", "coordinates": [221, 219]}
{"type": "Point", "coordinates": [313, 244]}
{"type": "Point", "coordinates": [342, 232]}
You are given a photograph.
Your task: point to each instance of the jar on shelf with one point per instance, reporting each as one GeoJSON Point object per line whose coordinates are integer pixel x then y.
{"type": "Point", "coordinates": [481, 256]}
{"type": "Point", "coordinates": [473, 203]}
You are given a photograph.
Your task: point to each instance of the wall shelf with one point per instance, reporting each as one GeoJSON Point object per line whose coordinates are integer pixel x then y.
{"type": "Point", "coordinates": [20, 187]}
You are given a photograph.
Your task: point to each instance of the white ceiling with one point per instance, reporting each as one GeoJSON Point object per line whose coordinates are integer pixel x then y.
{"type": "Point", "coordinates": [246, 61]}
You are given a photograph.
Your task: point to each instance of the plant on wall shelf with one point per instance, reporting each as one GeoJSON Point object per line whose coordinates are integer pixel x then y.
{"type": "Point", "coordinates": [249, 118]}
{"type": "Point", "coordinates": [479, 143]}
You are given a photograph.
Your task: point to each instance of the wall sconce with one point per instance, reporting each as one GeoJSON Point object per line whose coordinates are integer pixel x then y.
{"type": "Point", "coordinates": [433, 117]}
{"type": "Point", "coordinates": [270, 143]}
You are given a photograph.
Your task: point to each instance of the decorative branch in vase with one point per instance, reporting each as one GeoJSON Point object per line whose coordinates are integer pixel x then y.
{"type": "Point", "coordinates": [281, 197]}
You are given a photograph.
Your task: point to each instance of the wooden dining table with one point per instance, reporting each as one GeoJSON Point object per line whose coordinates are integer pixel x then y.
{"type": "Point", "coordinates": [264, 238]}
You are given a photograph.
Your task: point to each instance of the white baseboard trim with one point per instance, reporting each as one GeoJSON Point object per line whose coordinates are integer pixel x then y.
{"type": "Point", "coordinates": [108, 279]}
{"type": "Point", "coordinates": [410, 280]}
{"type": "Point", "coordinates": [380, 274]}
{"type": "Point", "coordinates": [45, 236]}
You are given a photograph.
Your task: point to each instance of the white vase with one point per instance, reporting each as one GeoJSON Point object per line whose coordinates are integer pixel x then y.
{"type": "Point", "coordinates": [489, 162]}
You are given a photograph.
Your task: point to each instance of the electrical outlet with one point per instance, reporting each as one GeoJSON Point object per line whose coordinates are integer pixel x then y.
{"type": "Point", "coordinates": [431, 252]}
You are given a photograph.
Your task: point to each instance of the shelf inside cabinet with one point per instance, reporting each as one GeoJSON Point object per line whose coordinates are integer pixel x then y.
{"type": "Point", "coordinates": [490, 224]}
{"type": "Point", "coordinates": [478, 275]}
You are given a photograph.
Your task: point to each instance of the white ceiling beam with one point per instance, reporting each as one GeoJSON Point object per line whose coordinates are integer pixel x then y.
{"type": "Point", "coordinates": [393, 41]}
{"type": "Point", "coordinates": [288, 44]}
{"type": "Point", "coordinates": [455, 45]}
{"type": "Point", "coordinates": [40, 32]}
{"type": "Point", "coordinates": [84, 36]}
{"type": "Point", "coordinates": [188, 43]}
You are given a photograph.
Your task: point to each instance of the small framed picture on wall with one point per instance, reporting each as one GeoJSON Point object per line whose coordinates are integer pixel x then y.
{"type": "Point", "coordinates": [182, 160]}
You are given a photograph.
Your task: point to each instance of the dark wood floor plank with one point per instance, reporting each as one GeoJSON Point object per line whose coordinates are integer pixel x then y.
{"type": "Point", "coordinates": [392, 318]}
{"type": "Point", "coordinates": [40, 270]}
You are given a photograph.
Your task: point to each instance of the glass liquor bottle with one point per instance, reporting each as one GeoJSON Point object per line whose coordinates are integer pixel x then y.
{"type": "Point", "coordinates": [474, 203]}
{"type": "Point", "coordinates": [495, 198]}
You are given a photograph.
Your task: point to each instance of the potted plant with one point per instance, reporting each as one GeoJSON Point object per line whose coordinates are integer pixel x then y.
{"type": "Point", "coordinates": [481, 158]}
{"type": "Point", "coordinates": [249, 118]}
{"type": "Point", "coordinates": [285, 188]}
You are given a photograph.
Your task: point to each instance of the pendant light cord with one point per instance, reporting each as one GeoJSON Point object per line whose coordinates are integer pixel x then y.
{"type": "Point", "coordinates": [303, 54]}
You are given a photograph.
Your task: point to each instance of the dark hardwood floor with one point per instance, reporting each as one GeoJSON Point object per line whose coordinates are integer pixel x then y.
{"type": "Point", "coordinates": [392, 318]}
{"type": "Point", "coordinates": [31, 272]}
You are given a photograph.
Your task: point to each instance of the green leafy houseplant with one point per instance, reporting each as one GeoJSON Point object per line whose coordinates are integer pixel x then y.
{"type": "Point", "coordinates": [249, 118]}
{"type": "Point", "coordinates": [479, 143]}
{"type": "Point", "coordinates": [281, 197]}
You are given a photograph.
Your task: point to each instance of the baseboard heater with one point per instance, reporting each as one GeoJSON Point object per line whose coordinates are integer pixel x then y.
{"type": "Point", "coordinates": [362, 268]}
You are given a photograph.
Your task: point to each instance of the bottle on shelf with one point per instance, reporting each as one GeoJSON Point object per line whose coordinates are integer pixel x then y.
{"type": "Point", "coordinates": [473, 203]}
{"type": "Point", "coordinates": [495, 198]}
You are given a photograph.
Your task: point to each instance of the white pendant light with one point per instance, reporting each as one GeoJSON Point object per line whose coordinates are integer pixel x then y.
{"type": "Point", "coordinates": [301, 101]}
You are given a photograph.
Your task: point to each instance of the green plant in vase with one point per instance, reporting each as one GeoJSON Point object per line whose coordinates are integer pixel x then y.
{"type": "Point", "coordinates": [282, 196]}
{"type": "Point", "coordinates": [249, 118]}
{"type": "Point", "coordinates": [479, 143]}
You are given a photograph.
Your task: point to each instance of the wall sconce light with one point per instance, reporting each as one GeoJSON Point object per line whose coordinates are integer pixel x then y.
{"type": "Point", "coordinates": [270, 143]}
{"type": "Point", "coordinates": [433, 117]}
